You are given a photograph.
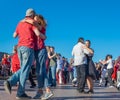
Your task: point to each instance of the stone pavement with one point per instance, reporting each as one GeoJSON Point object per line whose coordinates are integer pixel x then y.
{"type": "Point", "coordinates": [66, 92]}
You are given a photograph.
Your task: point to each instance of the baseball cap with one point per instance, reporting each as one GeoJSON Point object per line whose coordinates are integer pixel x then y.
{"type": "Point", "coordinates": [30, 12]}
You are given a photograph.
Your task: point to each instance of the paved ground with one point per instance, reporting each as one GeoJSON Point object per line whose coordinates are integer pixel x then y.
{"type": "Point", "coordinates": [67, 92]}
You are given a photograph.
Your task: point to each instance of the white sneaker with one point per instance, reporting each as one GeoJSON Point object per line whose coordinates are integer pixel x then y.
{"type": "Point", "coordinates": [118, 85]}
{"type": "Point", "coordinates": [47, 96]}
{"type": "Point", "coordinates": [74, 80]}
{"type": "Point", "coordinates": [111, 86]}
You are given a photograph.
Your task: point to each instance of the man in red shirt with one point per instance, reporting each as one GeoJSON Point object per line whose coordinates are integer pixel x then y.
{"type": "Point", "coordinates": [41, 57]}
{"type": "Point", "coordinates": [26, 33]}
{"type": "Point", "coordinates": [15, 66]}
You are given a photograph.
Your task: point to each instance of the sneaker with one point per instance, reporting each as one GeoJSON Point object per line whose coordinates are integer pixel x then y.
{"type": "Point", "coordinates": [47, 96]}
{"type": "Point", "coordinates": [100, 85]}
{"type": "Point", "coordinates": [74, 85]}
{"type": "Point", "coordinates": [38, 95]}
{"type": "Point", "coordinates": [111, 86]}
{"type": "Point", "coordinates": [118, 85]}
{"type": "Point", "coordinates": [7, 87]}
{"type": "Point", "coordinates": [24, 96]}
{"type": "Point", "coordinates": [74, 80]}
{"type": "Point", "coordinates": [81, 91]}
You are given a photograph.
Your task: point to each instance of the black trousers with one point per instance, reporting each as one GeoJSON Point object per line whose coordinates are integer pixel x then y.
{"type": "Point", "coordinates": [110, 71]}
{"type": "Point", "coordinates": [31, 79]}
{"type": "Point", "coordinates": [81, 76]}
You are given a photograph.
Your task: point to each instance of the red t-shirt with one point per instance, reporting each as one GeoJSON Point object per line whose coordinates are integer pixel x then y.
{"type": "Point", "coordinates": [41, 43]}
{"type": "Point", "coordinates": [5, 61]}
{"type": "Point", "coordinates": [15, 63]}
{"type": "Point", "coordinates": [26, 34]}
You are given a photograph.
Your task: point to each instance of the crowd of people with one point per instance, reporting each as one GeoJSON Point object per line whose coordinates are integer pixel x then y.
{"type": "Point", "coordinates": [105, 71]}
{"type": "Point", "coordinates": [31, 56]}
{"type": "Point", "coordinates": [108, 71]}
{"type": "Point", "coordinates": [31, 36]}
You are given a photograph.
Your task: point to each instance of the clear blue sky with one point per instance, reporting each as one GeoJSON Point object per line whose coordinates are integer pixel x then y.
{"type": "Point", "coordinates": [96, 20]}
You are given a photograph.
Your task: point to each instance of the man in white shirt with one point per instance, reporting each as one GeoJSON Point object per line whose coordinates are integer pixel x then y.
{"type": "Point", "coordinates": [80, 62]}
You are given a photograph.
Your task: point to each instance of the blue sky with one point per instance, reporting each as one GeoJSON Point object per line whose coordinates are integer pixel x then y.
{"type": "Point", "coordinates": [96, 20]}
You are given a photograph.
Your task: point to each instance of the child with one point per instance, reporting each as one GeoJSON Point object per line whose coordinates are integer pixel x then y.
{"type": "Point", "coordinates": [15, 64]}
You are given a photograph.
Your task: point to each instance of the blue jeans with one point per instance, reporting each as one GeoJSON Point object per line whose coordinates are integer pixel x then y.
{"type": "Point", "coordinates": [42, 79]}
{"type": "Point", "coordinates": [74, 72]}
{"type": "Point", "coordinates": [26, 57]}
{"type": "Point", "coordinates": [52, 75]}
{"type": "Point", "coordinates": [110, 71]}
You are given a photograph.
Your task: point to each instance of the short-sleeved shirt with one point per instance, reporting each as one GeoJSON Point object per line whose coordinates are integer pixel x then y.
{"type": "Point", "coordinates": [26, 34]}
{"type": "Point", "coordinates": [110, 64]}
{"type": "Point", "coordinates": [5, 61]}
{"type": "Point", "coordinates": [15, 63]}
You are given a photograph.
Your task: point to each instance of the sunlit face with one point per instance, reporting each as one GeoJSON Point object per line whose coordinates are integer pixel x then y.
{"type": "Point", "coordinates": [39, 20]}
{"type": "Point", "coordinates": [51, 49]}
{"type": "Point", "coordinates": [108, 57]}
{"type": "Point", "coordinates": [87, 44]}
{"type": "Point", "coordinates": [48, 48]}
{"type": "Point", "coordinates": [36, 18]}
{"type": "Point", "coordinates": [5, 56]}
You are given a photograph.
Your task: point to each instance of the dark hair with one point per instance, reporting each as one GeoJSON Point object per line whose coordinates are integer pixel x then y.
{"type": "Point", "coordinates": [15, 47]}
{"type": "Point", "coordinates": [52, 47]}
{"type": "Point", "coordinates": [81, 40]}
{"type": "Point", "coordinates": [58, 54]}
{"type": "Point", "coordinates": [88, 41]}
{"type": "Point", "coordinates": [110, 56]}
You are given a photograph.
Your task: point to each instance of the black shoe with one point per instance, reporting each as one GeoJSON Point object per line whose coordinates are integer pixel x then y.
{"type": "Point", "coordinates": [105, 85]}
{"type": "Point", "coordinates": [24, 96]}
{"type": "Point", "coordinates": [7, 87]}
{"type": "Point", "coordinates": [32, 86]}
{"type": "Point", "coordinates": [53, 85]}
{"type": "Point", "coordinates": [90, 91]}
{"type": "Point", "coordinates": [81, 91]}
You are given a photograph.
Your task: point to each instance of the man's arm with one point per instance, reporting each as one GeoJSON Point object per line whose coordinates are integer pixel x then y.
{"type": "Point", "coordinates": [88, 49]}
{"type": "Point", "coordinates": [15, 34]}
{"type": "Point", "coordinates": [33, 22]}
{"type": "Point", "coordinates": [103, 62]}
{"type": "Point", "coordinates": [38, 33]}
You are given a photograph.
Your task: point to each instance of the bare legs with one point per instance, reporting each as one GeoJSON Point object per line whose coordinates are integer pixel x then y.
{"type": "Point", "coordinates": [90, 84]}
